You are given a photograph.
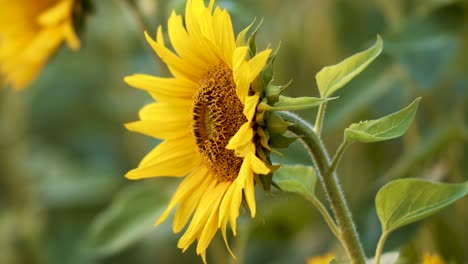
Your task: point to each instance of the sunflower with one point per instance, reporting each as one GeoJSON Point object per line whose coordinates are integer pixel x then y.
{"type": "Point", "coordinates": [30, 32]}
{"type": "Point", "coordinates": [429, 258]}
{"type": "Point", "coordinates": [324, 259]}
{"type": "Point", "coordinates": [205, 116]}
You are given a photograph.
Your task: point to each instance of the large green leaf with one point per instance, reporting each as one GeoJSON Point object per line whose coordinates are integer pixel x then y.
{"type": "Point", "coordinates": [129, 218]}
{"type": "Point", "coordinates": [332, 78]}
{"type": "Point", "coordinates": [385, 128]}
{"type": "Point", "coordinates": [298, 179]}
{"type": "Point", "coordinates": [405, 201]}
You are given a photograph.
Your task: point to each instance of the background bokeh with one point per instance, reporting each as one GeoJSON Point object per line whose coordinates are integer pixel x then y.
{"type": "Point", "coordinates": [64, 150]}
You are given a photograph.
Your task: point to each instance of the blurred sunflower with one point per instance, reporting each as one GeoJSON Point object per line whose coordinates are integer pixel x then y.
{"type": "Point", "coordinates": [429, 258]}
{"type": "Point", "coordinates": [30, 33]}
{"type": "Point", "coordinates": [205, 115]}
{"type": "Point", "coordinates": [324, 259]}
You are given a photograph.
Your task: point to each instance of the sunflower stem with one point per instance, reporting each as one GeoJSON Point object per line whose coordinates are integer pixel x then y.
{"type": "Point", "coordinates": [329, 178]}
{"type": "Point", "coordinates": [319, 119]}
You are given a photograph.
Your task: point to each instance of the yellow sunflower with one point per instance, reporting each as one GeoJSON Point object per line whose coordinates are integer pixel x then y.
{"type": "Point", "coordinates": [205, 115]}
{"type": "Point", "coordinates": [429, 258]}
{"type": "Point", "coordinates": [30, 32]}
{"type": "Point", "coordinates": [324, 259]}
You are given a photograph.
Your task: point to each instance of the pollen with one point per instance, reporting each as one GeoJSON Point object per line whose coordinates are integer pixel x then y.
{"type": "Point", "coordinates": [217, 116]}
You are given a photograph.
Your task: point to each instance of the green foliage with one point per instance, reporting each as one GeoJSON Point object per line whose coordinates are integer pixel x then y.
{"type": "Point", "coordinates": [298, 179]}
{"type": "Point", "coordinates": [129, 218]}
{"type": "Point", "coordinates": [405, 201]}
{"type": "Point", "coordinates": [285, 103]}
{"type": "Point", "coordinates": [385, 128]}
{"type": "Point", "coordinates": [332, 78]}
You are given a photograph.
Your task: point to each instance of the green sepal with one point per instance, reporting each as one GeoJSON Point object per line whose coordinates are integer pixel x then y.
{"type": "Point", "coordinates": [240, 40]}
{"type": "Point", "coordinates": [293, 103]}
{"type": "Point", "coordinates": [275, 124]}
{"type": "Point", "coordinates": [268, 72]}
{"type": "Point", "coordinates": [280, 141]}
{"type": "Point", "coordinates": [265, 181]}
{"type": "Point", "coordinates": [251, 40]}
{"type": "Point", "coordinates": [81, 9]}
{"type": "Point", "coordinates": [273, 92]}
{"type": "Point", "coordinates": [264, 137]}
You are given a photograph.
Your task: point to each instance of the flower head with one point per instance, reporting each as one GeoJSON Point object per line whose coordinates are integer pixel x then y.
{"type": "Point", "coordinates": [205, 115]}
{"type": "Point", "coordinates": [324, 259]}
{"type": "Point", "coordinates": [429, 258]}
{"type": "Point", "coordinates": [30, 32]}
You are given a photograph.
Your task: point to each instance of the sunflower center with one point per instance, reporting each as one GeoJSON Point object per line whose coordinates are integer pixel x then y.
{"type": "Point", "coordinates": [217, 116]}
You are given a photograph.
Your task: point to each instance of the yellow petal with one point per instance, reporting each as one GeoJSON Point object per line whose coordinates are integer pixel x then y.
{"type": "Point", "coordinates": [258, 166]}
{"type": "Point", "coordinates": [186, 187]}
{"type": "Point", "coordinates": [229, 207]}
{"type": "Point", "coordinates": [170, 158]}
{"type": "Point", "coordinates": [257, 63]}
{"type": "Point", "coordinates": [249, 184]}
{"type": "Point", "coordinates": [211, 226]}
{"type": "Point", "coordinates": [199, 219]}
{"type": "Point", "coordinates": [188, 206]}
{"type": "Point", "coordinates": [251, 106]}
{"type": "Point", "coordinates": [56, 14]}
{"type": "Point", "coordinates": [184, 46]}
{"type": "Point", "coordinates": [161, 129]}
{"type": "Point", "coordinates": [225, 34]}
{"type": "Point", "coordinates": [164, 89]}
{"type": "Point", "coordinates": [71, 38]}
{"type": "Point", "coordinates": [242, 137]}
{"type": "Point", "coordinates": [223, 227]}
{"type": "Point", "coordinates": [167, 112]}
{"type": "Point", "coordinates": [179, 68]}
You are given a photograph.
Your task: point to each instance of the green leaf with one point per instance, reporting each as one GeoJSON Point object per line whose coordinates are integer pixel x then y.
{"type": "Point", "coordinates": [385, 128]}
{"type": "Point", "coordinates": [129, 218]}
{"type": "Point", "coordinates": [298, 179]}
{"type": "Point", "coordinates": [405, 201]}
{"type": "Point", "coordinates": [297, 103]}
{"type": "Point", "coordinates": [332, 78]}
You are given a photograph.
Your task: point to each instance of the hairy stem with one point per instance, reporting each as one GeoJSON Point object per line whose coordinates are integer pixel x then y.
{"type": "Point", "coordinates": [349, 235]}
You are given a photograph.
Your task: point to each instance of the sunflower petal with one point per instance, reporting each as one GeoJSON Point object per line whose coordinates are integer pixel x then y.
{"type": "Point", "coordinates": [170, 158]}
{"type": "Point", "coordinates": [185, 188]}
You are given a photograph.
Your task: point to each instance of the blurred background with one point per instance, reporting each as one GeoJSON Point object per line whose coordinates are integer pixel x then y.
{"type": "Point", "coordinates": [64, 150]}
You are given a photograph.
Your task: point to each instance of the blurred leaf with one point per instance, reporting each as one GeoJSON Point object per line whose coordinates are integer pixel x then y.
{"type": "Point", "coordinates": [129, 218]}
{"type": "Point", "coordinates": [297, 103]}
{"type": "Point", "coordinates": [425, 59]}
{"type": "Point", "coordinates": [405, 201]}
{"type": "Point", "coordinates": [332, 78]}
{"type": "Point", "coordinates": [298, 179]}
{"type": "Point", "coordinates": [386, 258]}
{"type": "Point", "coordinates": [385, 128]}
